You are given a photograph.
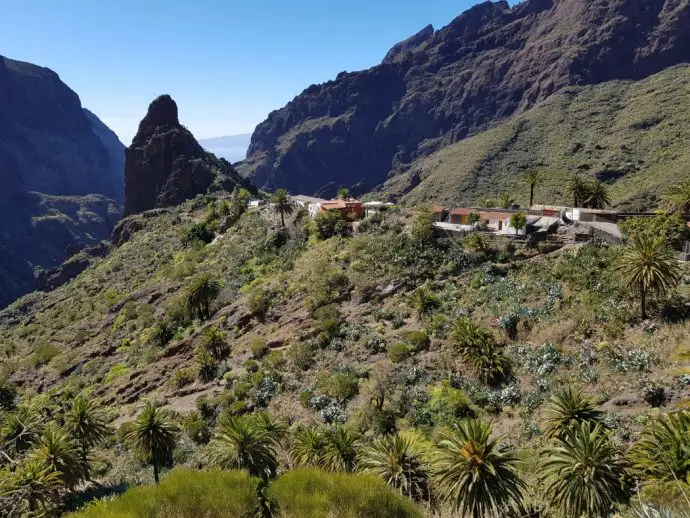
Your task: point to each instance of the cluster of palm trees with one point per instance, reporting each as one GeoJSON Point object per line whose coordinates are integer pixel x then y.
{"type": "Point", "coordinates": [41, 456]}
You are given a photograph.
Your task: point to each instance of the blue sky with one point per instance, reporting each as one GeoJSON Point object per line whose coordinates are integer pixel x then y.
{"type": "Point", "coordinates": [227, 63]}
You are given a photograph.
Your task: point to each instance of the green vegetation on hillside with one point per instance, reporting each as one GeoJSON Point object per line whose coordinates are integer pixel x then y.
{"type": "Point", "coordinates": [472, 376]}
{"type": "Point", "coordinates": [632, 135]}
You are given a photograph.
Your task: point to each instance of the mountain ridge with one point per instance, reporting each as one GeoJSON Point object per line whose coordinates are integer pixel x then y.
{"type": "Point", "coordinates": [62, 174]}
{"type": "Point", "coordinates": [491, 62]}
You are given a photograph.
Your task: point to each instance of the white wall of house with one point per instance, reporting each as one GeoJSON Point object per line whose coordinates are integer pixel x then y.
{"type": "Point", "coordinates": [314, 209]}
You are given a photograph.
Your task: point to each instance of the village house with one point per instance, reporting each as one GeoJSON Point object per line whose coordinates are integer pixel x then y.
{"type": "Point", "coordinates": [318, 205]}
{"type": "Point", "coordinates": [494, 220]}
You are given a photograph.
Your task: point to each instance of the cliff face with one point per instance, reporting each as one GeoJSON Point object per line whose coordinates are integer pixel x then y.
{"type": "Point", "coordinates": [165, 165]}
{"type": "Point", "coordinates": [61, 175]}
{"type": "Point", "coordinates": [434, 89]}
{"type": "Point", "coordinates": [48, 143]}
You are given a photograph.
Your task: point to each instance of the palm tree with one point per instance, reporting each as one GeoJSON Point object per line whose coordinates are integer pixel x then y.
{"type": "Point", "coordinates": [597, 195]}
{"type": "Point", "coordinates": [423, 301]}
{"type": "Point", "coordinates": [87, 425]}
{"type": "Point", "coordinates": [200, 293]}
{"type": "Point", "coordinates": [648, 266]}
{"type": "Point", "coordinates": [282, 204]}
{"type": "Point", "coordinates": [568, 409]}
{"type": "Point", "coordinates": [309, 447]}
{"type": "Point", "coordinates": [394, 459]}
{"type": "Point", "coordinates": [677, 198]}
{"type": "Point", "coordinates": [344, 193]}
{"type": "Point", "coordinates": [58, 453]}
{"type": "Point", "coordinates": [576, 188]}
{"type": "Point", "coordinates": [475, 474]}
{"type": "Point", "coordinates": [153, 434]}
{"type": "Point", "coordinates": [275, 429]}
{"type": "Point", "coordinates": [584, 473]}
{"type": "Point", "coordinates": [531, 178]}
{"type": "Point", "coordinates": [341, 450]}
{"type": "Point", "coordinates": [663, 452]}
{"type": "Point", "coordinates": [214, 341]}
{"type": "Point", "coordinates": [505, 200]}
{"type": "Point", "coordinates": [241, 442]}
{"type": "Point", "coordinates": [478, 347]}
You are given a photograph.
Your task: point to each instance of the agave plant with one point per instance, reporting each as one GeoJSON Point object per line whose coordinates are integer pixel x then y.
{"type": "Point", "coordinates": [567, 410]}
{"type": "Point", "coordinates": [663, 452]}
{"type": "Point", "coordinates": [423, 301]}
{"type": "Point", "coordinates": [584, 473]}
{"type": "Point", "coordinates": [241, 442]}
{"type": "Point", "coordinates": [478, 347]}
{"type": "Point", "coordinates": [396, 461]}
{"type": "Point", "coordinates": [475, 475]}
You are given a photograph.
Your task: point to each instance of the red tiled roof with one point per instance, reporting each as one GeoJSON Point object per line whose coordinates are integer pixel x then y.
{"type": "Point", "coordinates": [335, 204]}
{"type": "Point", "coordinates": [495, 215]}
{"type": "Point", "coordinates": [462, 212]}
{"type": "Point", "coordinates": [437, 208]}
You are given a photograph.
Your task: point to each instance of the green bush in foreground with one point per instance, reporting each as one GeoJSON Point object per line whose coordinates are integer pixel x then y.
{"type": "Point", "coordinates": [303, 493]}
{"type": "Point", "coordinates": [183, 494]}
{"type": "Point", "coordinates": [311, 493]}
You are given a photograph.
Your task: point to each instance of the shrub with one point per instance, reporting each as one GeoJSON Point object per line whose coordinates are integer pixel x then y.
{"type": "Point", "coordinates": [654, 395]}
{"type": "Point", "coordinates": [449, 403]}
{"type": "Point", "coordinates": [251, 365]}
{"type": "Point", "coordinates": [330, 223]}
{"type": "Point", "coordinates": [196, 428]}
{"type": "Point", "coordinates": [207, 365]}
{"type": "Point", "coordinates": [116, 371]}
{"type": "Point", "coordinates": [259, 301]}
{"type": "Point", "coordinates": [184, 377]}
{"type": "Point", "coordinates": [184, 494]}
{"type": "Point", "coordinates": [311, 493]}
{"type": "Point", "coordinates": [202, 232]}
{"type": "Point", "coordinates": [478, 347]}
{"type": "Point", "coordinates": [301, 355]}
{"type": "Point", "coordinates": [398, 353]}
{"type": "Point", "coordinates": [341, 386]}
{"type": "Point", "coordinates": [417, 341]}
{"type": "Point", "coordinates": [258, 348]}
{"type": "Point", "coordinates": [8, 395]}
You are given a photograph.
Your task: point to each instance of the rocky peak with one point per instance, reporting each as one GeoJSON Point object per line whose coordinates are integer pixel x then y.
{"type": "Point", "coordinates": [162, 113]}
{"type": "Point", "coordinates": [165, 164]}
{"type": "Point", "coordinates": [399, 49]}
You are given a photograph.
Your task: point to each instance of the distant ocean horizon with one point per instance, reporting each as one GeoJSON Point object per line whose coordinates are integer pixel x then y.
{"type": "Point", "coordinates": [232, 148]}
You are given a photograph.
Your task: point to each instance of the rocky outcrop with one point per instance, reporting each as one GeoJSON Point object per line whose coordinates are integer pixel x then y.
{"type": "Point", "coordinates": [490, 63]}
{"type": "Point", "coordinates": [53, 155]}
{"type": "Point", "coordinates": [165, 165]}
{"type": "Point", "coordinates": [398, 51]}
{"type": "Point", "coordinates": [47, 280]}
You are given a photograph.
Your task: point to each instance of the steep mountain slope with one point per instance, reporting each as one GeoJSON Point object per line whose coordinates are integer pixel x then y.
{"type": "Point", "coordinates": [633, 135]}
{"type": "Point", "coordinates": [48, 143]}
{"type": "Point", "coordinates": [165, 165]}
{"type": "Point", "coordinates": [61, 171]}
{"type": "Point", "coordinates": [491, 62]}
